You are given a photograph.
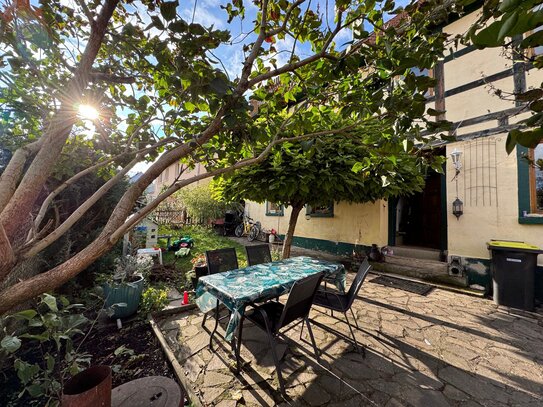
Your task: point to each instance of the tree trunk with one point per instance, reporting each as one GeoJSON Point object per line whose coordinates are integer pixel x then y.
{"type": "Point", "coordinates": [296, 208]}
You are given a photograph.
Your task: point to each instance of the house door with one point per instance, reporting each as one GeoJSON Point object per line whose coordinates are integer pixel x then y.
{"type": "Point", "coordinates": [420, 220]}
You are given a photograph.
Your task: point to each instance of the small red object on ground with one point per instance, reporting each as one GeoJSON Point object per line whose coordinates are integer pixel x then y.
{"type": "Point", "coordinates": [185, 297]}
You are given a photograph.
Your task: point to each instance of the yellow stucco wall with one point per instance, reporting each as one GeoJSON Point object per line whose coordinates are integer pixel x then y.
{"type": "Point", "coordinates": [362, 224]}
{"type": "Point", "coordinates": [486, 219]}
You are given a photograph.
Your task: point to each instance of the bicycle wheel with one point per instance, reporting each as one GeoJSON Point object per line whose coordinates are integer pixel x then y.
{"type": "Point", "coordinates": [253, 233]}
{"type": "Point", "coordinates": [239, 230]}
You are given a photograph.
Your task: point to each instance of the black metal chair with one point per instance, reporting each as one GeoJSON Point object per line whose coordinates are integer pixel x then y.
{"type": "Point", "coordinates": [273, 316]}
{"type": "Point", "coordinates": [258, 254]}
{"type": "Point", "coordinates": [218, 261]}
{"type": "Point", "coordinates": [335, 301]}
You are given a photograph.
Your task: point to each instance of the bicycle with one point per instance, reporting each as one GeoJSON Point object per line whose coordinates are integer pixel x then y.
{"type": "Point", "coordinates": [249, 228]}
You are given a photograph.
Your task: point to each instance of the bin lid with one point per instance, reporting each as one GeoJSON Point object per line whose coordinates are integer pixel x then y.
{"type": "Point", "coordinates": [513, 246]}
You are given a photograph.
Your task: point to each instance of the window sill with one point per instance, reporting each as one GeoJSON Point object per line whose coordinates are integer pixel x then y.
{"type": "Point", "coordinates": [531, 220]}
{"type": "Point", "coordinates": [321, 215]}
{"type": "Point", "coordinates": [274, 214]}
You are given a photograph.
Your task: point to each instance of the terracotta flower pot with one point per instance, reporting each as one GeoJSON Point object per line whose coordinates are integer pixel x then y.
{"type": "Point", "coordinates": [89, 388]}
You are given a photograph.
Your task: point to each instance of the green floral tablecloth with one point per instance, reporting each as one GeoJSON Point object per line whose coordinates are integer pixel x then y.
{"type": "Point", "coordinates": [238, 288]}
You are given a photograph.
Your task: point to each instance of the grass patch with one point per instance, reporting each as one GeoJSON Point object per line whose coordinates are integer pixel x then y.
{"type": "Point", "coordinates": [204, 239]}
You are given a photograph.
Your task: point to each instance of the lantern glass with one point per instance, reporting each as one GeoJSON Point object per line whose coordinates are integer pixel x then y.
{"type": "Point", "coordinates": [455, 155]}
{"type": "Point", "coordinates": [458, 208]}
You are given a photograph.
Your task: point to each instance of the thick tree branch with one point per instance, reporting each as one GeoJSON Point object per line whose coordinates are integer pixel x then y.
{"type": "Point", "coordinates": [14, 170]}
{"type": "Point", "coordinates": [20, 205]}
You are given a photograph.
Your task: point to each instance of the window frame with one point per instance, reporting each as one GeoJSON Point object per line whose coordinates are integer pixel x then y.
{"type": "Point", "coordinates": [532, 180]}
{"type": "Point", "coordinates": [279, 212]}
{"type": "Point", "coordinates": [310, 211]}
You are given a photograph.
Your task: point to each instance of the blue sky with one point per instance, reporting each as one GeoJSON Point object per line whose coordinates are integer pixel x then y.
{"type": "Point", "coordinates": [209, 12]}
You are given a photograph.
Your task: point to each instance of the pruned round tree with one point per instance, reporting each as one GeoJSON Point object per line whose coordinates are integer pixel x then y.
{"type": "Point", "coordinates": [355, 167]}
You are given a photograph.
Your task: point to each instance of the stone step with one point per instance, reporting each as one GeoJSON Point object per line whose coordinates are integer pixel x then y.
{"type": "Point", "coordinates": [428, 270]}
{"type": "Point", "coordinates": [416, 252]}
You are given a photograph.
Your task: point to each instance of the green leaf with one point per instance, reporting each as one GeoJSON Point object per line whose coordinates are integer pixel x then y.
{"type": "Point", "coordinates": [534, 40]}
{"type": "Point", "coordinates": [488, 37]}
{"type": "Point", "coordinates": [508, 5]}
{"type": "Point", "coordinates": [196, 29]}
{"type": "Point", "coordinates": [10, 343]}
{"type": "Point", "coordinates": [27, 314]}
{"type": "Point", "coordinates": [50, 301]}
{"type": "Point", "coordinates": [434, 112]}
{"type": "Point", "coordinates": [219, 86]}
{"type": "Point", "coordinates": [530, 95]}
{"type": "Point", "coordinates": [530, 138]}
{"type": "Point", "coordinates": [537, 106]}
{"type": "Point", "coordinates": [508, 24]}
{"type": "Point", "coordinates": [189, 106]}
{"type": "Point", "coordinates": [178, 26]}
{"type": "Point", "coordinates": [511, 141]}
{"type": "Point", "coordinates": [157, 22]}
{"type": "Point", "coordinates": [168, 9]}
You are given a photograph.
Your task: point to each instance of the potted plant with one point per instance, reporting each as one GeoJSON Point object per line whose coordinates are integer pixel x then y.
{"type": "Point", "coordinates": [199, 269]}
{"type": "Point", "coordinates": [123, 290]}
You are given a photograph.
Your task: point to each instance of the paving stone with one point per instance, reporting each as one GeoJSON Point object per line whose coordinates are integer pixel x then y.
{"type": "Point", "coordinates": [315, 395]}
{"type": "Point", "coordinates": [212, 393]}
{"type": "Point", "coordinates": [258, 398]}
{"type": "Point", "coordinates": [212, 379]}
{"type": "Point", "coordinates": [442, 349]}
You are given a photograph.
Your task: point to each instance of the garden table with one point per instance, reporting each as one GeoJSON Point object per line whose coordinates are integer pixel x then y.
{"type": "Point", "coordinates": [241, 287]}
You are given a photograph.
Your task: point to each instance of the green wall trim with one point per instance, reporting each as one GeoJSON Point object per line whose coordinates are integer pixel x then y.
{"type": "Point", "coordinates": [523, 176]}
{"type": "Point", "coordinates": [530, 220]}
{"type": "Point", "coordinates": [443, 235]}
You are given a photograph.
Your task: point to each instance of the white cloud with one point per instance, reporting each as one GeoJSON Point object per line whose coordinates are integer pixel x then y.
{"type": "Point", "coordinates": [205, 14]}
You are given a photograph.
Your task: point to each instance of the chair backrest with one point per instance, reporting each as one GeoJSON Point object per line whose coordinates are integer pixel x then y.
{"type": "Point", "coordinates": [358, 281]}
{"type": "Point", "coordinates": [221, 260]}
{"type": "Point", "coordinates": [258, 254]}
{"type": "Point", "coordinates": [300, 299]}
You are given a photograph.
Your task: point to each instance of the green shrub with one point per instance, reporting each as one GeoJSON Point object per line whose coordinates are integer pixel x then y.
{"type": "Point", "coordinates": [42, 349]}
{"type": "Point", "coordinates": [153, 299]}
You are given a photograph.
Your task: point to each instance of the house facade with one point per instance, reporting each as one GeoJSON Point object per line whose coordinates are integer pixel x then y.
{"type": "Point", "coordinates": [502, 195]}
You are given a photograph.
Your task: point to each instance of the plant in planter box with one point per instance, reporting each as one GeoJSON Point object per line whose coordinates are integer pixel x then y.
{"type": "Point", "coordinates": [123, 290]}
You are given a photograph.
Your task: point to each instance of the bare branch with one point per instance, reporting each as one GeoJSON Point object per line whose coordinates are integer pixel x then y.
{"type": "Point", "coordinates": [78, 213]}
{"type": "Point", "coordinates": [240, 164]}
{"type": "Point", "coordinates": [296, 65]}
{"type": "Point", "coordinates": [79, 175]}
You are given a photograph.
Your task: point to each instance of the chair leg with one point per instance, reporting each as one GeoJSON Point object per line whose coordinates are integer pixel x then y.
{"type": "Point", "coordinates": [354, 317]}
{"type": "Point", "coordinates": [313, 340]}
{"type": "Point", "coordinates": [276, 360]}
{"type": "Point", "coordinates": [204, 320]}
{"type": "Point", "coordinates": [238, 347]}
{"type": "Point", "coordinates": [216, 326]}
{"type": "Point", "coordinates": [301, 331]}
{"type": "Point", "coordinates": [352, 333]}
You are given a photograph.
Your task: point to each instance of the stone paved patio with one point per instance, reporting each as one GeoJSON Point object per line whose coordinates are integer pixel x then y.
{"type": "Point", "coordinates": [443, 349]}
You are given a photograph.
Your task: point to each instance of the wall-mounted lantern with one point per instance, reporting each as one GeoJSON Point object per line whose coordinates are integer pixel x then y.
{"type": "Point", "coordinates": [458, 208]}
{"type": "Point", "coordinates": [455, 156]}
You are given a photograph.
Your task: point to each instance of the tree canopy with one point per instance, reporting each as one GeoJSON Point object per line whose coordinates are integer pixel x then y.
{"type": "Point", "coordinates": [360, 168]}
{"type": "Point", "coordinates": [159, 91]}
